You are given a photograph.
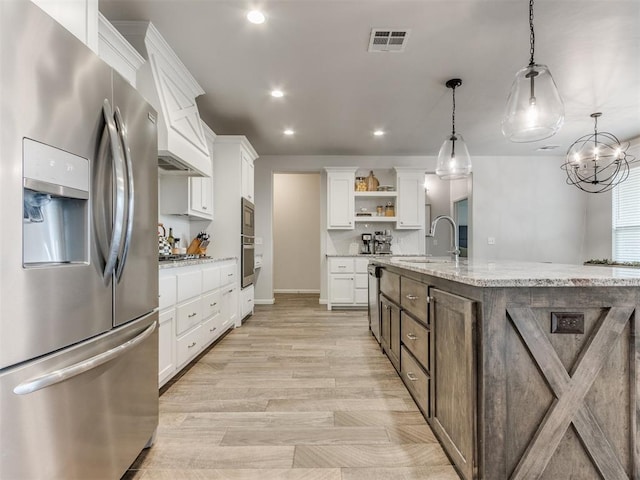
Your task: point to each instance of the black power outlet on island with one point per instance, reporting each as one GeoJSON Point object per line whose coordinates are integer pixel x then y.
{"type": "Point", "coordinates": [567, 322]}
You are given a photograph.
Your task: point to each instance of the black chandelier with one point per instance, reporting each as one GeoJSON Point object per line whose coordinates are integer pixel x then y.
{"type": "Point", "coordinates": [597, 162]}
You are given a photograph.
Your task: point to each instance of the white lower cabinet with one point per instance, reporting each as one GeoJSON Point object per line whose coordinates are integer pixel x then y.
{"type": "Point", "coordinates": [246, 302]}
{"type": "Point", "coordinates": [198, 304]}
{"type": "Point", "coordinates": [347, 282]}
{"type": "Point", "coordinates": [166, 345]}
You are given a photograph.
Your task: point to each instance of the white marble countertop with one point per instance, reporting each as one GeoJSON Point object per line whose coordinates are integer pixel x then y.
{"type": "Point", "coordinates": [518, 274]}
{"type": "Point", "coordinates": [187, 263]}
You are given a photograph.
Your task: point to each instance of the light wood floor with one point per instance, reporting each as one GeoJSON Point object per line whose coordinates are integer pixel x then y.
{"type": "Point", "coordinates": [296, 393]}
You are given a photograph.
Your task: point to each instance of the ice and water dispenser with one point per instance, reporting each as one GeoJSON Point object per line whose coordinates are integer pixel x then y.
{"type": "Point", "coordinates": [55, 226]}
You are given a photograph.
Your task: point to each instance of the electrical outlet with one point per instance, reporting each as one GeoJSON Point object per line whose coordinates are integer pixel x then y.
{"type": "Point", "coordinates": [565, 322]}
{"type": "Point", "coordinates": [491, 240]}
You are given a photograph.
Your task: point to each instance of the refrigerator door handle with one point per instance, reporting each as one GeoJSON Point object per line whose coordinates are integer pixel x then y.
{"type": "Point", "coordinates": [122, 131]}
{"type": "Point", "coordinates": [118, 172]}
{"type": "Point", "coordinates": [57, 376]}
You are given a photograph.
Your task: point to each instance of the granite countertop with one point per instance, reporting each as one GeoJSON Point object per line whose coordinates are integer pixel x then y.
{"type": "Point", "coordinates": [195, 261]}
{"type": "Point", "coordinates": [518, 274]}
{"type": "Point", "coordinates": [369, 255]}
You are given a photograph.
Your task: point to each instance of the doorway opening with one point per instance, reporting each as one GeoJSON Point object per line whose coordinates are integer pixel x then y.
{"type": "Point", "coordinates": [296, 233]}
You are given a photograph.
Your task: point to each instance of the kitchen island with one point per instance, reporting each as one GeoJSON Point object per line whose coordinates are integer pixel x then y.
{"type": "Point", "coordinates": [523, 370]}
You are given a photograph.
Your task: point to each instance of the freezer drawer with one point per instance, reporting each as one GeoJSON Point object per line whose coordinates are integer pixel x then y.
{"type": "Point", "coordinates": [92, 424]}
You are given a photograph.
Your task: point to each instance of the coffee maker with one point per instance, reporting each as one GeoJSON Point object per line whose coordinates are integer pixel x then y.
{"type": "Point", "coordinates": [367, 244]}
{"type": "Point", "coordinates": [382, 242]}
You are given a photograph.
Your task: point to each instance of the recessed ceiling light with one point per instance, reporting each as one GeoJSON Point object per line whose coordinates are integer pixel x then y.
{"type": "Point", "coordinates": [288, 131]}
{"type": "Point", "coordinates": [277, 93]}
{"type": "Point", "coordinates": [378, 133]}
{"type": "Point", "coordinates": [256, 16]}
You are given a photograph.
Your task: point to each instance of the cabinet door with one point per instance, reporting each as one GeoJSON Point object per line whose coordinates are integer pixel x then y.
{"type": "Point", "coordinates": [453, 381]}
{"type": "Point", "coordinates": [410, 211]}
{"type": "Point", "coordinates": [394, 336]}
{"type": "Point", "coordinates": [340, 201]}
{"type": "Point", "coordinates": [390, 330]}
{"type": "Point", "coordinates": [341, 288]}
{"type": "Point", "coordinates": [166, 346]}
{"type": "Point", "coordinates": [201, 197]}
{"type": "Point", "coordinates": [246, 173]}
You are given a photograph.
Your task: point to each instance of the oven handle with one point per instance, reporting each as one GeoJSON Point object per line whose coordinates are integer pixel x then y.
{"type": "Point", "coordinates": [57, 376]}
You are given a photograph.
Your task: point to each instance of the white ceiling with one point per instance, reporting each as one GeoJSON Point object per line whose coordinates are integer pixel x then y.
{"type": "Point", "coordinates": [337, 93]}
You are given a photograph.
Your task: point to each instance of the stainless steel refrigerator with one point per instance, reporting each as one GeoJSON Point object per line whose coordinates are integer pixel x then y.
{"type": "Point", "coordinates": [78, 257]}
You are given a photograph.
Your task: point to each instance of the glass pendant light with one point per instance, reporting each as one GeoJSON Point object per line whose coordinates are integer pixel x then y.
{"type": "Point", "coordinates": [534, 109]}
{"type": "Point", "coordinates": [453, 159]}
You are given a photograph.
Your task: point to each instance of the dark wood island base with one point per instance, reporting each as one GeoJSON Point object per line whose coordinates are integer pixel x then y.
{"type": "Point", "coordinates": [521, 375]}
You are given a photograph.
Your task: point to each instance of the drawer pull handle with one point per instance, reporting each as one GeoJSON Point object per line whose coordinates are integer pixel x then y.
{"type": "Point", "coordinates": [204, 207]}
{"type": "Point", "coordinates": [191, 315]}
{"type": "Point", "coordinates": [212, 329]}
{"type": "Point", "coordinates": [213, 304]}
{"type": "Point", "coordinates": [342, 266]}
{"type": "Point", "coordinates": [230, 291]}
{"type": "Point", "coordinates": [192, 345]}
{"type": "Point", "coordinates": [412, 377]}
{"type": "Point", "coordinates": [229, 274]}
{"type": "Point", "coordinates": [411, 336]}
{"type": "Point", "coordinates": [412, 297]}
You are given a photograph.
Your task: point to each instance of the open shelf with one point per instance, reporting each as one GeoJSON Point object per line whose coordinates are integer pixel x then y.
{"type": "Point", "coordinates": [376, 194]}
{"type": "Point", "coordinates": [375, 219]}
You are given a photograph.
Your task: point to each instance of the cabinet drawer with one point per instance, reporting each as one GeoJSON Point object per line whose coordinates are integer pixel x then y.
{"type": "Point", "coordinates": [166, 291]}
{"type": "Point", "coordinates": [210, 304]}
{"type": "Point", "coordinates": [341, 265]}
{"type": "Point", "coordinates": [390, 285]}
{"type": "Point", "coordinates": [416, 339]}
{"type": "Point", "coordinates": [209, 330]}
{"type": "Point", "coordinates": [414, 298]}
{"type": "Point", "coordinates": [416, 380]}
{"type": "Point", "coordinates": [188, 346]}
{"type": "Point", "coordinates": [228, 274]}
{"type": "Point", "coordinates": [188, 315]}
{"type": "Point", "coordinates": [210, 279]}
{"type": "Point", "coordinates": [189, 285]}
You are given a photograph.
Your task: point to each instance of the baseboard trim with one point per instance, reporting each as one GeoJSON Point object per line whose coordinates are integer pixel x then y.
{"type": "Point", "coordinates": [264, 301]}
{"type": "Point", "coordinates": [295, 290]}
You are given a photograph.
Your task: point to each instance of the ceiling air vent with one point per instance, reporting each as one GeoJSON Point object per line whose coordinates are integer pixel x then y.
{"type": "Point", "coordinates": [388, 39]}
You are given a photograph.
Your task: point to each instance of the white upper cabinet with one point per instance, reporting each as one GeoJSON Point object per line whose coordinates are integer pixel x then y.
{"type": "Point", "coordinates": [410, 201]}
{"type": "Point", "coordinates": [80, 17]}
{"type": "Point", "coordinates": [171, 89]}
{"type": "Point", "coordinates": [340, 198]}
{"type": "Point", "coordinates": [114, 49]}
{"type": "Point", "coordinates": [191, 196]}
{"type": "Point", "coordinates": [247, 176]}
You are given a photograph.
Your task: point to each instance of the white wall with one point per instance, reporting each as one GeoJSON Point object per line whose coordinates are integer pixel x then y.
{"type": "Point", "coordinates": [526, 205]}
{"type": "Point", "coordinates": [438, 197]}
{"type": "Point", "coordinates": [296, 232]}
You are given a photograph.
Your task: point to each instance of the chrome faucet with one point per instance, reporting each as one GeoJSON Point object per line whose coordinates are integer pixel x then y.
{"type": "Point", "coordinates": [455, 253]}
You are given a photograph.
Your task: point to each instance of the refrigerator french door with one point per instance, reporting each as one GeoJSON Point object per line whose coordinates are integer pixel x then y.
{"type": "Point", "coordinates": [78, 269]}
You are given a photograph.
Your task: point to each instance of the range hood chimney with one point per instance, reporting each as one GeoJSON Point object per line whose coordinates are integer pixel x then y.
{"type": "Point", "coordinates": [167, 84]}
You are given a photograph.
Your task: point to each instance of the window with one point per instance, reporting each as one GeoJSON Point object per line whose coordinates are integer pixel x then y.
{"type": "Point", "coordinates": [626, 219]}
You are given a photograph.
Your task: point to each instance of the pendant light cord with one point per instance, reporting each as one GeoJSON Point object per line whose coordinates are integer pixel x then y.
{"type": "Point", "coordinates": [453, 113]}
{"type": "Point", "coordinates": [532, 35]}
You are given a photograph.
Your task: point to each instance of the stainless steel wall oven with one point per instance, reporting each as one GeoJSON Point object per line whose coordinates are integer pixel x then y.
{"type": "Point", "coordinates": [247, 259]}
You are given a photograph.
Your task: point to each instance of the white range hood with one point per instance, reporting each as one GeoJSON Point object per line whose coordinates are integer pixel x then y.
{"type": "Point", "coordinates": [167, 84]}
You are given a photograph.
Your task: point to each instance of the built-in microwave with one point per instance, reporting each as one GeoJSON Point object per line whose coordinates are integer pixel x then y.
{"type": "Point", "coordinates": [248, 218]}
